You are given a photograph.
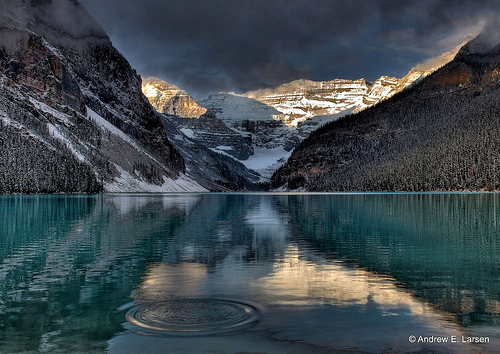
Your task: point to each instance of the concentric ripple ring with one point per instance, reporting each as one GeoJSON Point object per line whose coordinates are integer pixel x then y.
{"type": "Point", "coordinates": [195, 317]}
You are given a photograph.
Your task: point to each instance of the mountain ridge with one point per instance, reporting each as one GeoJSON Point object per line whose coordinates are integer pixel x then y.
{"type": "Point", "coordinates": [441, 134]}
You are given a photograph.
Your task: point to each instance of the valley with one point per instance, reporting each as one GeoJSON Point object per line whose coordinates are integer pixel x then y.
{"type": "Point", "coordinates": [76, 117]}
{"type": "Point", "coordinates": [261, 128]}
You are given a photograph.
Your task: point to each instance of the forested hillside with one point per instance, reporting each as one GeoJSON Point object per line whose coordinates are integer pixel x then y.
{"type": "Point", "coordinates": [72, 114]}
{"type": "Point", "coordinates": [441, 134]}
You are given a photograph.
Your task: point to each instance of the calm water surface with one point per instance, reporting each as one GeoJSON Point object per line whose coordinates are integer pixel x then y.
{"type": "Point", "coordinates": [246, 273]}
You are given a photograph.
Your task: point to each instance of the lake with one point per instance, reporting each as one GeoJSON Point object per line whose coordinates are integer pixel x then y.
{"type": "Point", "coordinates": [250, 273]}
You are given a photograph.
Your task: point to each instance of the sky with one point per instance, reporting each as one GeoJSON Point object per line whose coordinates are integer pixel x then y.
{"type": "Point", "coordinates": [208, 46]}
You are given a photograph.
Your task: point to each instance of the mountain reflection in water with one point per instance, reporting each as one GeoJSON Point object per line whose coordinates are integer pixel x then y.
{"type": "Point", "coordinates": [331, 272]}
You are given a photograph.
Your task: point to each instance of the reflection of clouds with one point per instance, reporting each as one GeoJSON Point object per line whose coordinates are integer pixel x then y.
{"type": "Point", "coordinates": [127, 203]}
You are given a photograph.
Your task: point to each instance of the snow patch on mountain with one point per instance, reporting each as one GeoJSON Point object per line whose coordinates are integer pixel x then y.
{"type": "Point", "coordinates": [54, 131]}
{"type": "Point", "coordinates": [266, 161]}
{"type": "Point", "coordinates": [126, 183]}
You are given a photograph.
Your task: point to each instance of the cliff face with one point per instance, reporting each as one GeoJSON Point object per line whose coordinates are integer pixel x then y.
{"type": "Point", "coordinates": [300, 100]}
{"type": "Point", "coordinates": [194, 121]}
{"type": "Point", "coordinates": [67, 93]}
{"type": "Point", "coordinates": [169, 99]}
{"type": "Point", "coordinates": [212, 165]}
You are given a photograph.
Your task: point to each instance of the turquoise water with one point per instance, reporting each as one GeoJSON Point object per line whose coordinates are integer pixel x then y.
{"type": "Point", "coordinates": [233, 273]}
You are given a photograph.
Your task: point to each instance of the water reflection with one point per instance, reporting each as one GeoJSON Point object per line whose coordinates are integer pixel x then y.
{"type": "Point", "coordinates": [68, 262]}
{"type": "Point", "coordinates": [328, 272]}
{"type": "Point", "coordinates": [444, 247]}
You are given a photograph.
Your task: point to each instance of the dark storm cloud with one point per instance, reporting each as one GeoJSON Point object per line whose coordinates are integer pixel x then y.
{"type": "Point", "coordinates": [212, 45]}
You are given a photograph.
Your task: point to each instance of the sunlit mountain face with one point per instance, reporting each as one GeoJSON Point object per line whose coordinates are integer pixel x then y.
{"type": "Point", "coordinates": [169, 99]}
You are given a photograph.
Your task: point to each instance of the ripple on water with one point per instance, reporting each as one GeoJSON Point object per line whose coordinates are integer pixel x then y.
{"type": "Point", "coordinates": [193, 317]}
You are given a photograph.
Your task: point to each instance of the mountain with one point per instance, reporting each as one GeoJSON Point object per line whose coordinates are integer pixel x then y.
{"type": "Point", "coordinates": [73, 116]}
{"type": "Point", "coordinates": [213, 168]}
{"type": "Point", "coordinates": [278, 119]}
{"type": "Point", "coordinates": [210, 149]}
{"type": "Point", "coordinates": [441, 133]}
{"type": "Point", "coordinates": [261, 128]}
{"type": "Point", "coordinates": [169, 99]}
{"type": "Point", "coordinates": [194, 121]}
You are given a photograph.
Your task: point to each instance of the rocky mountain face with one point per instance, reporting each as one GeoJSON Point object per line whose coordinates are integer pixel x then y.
{"type": "Point", "coordinates": [169, 99]}
{"type": "Point", "coordinates": [439, 134]}
{"type": "Point", "coordinates": [72, 114]}
{"type": "Point", "coordinates": [213, 168]}
{"type": "Point", "coordinates": [194, 121]}
{"type": "Point", "coordinates": [251, 118]}
{"type": "Point", "coordinates": [269, 139]}
{"type": "Point", "coordinates": [300, 100]}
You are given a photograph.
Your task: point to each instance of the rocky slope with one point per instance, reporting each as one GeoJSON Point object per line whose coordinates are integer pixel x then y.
{"type": "Point", "coordinates": [195, 122]}
{"type": "Point", "coordinates": [73, 117]}
{"type": "Point", "coordinates": [213, 168]}
{"type": "Point", "coordinates": [439, 134]}
{"type": "Point", "coordinates": [169, 99]}
{"type": "Point", "coordinates": [210, 149]}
